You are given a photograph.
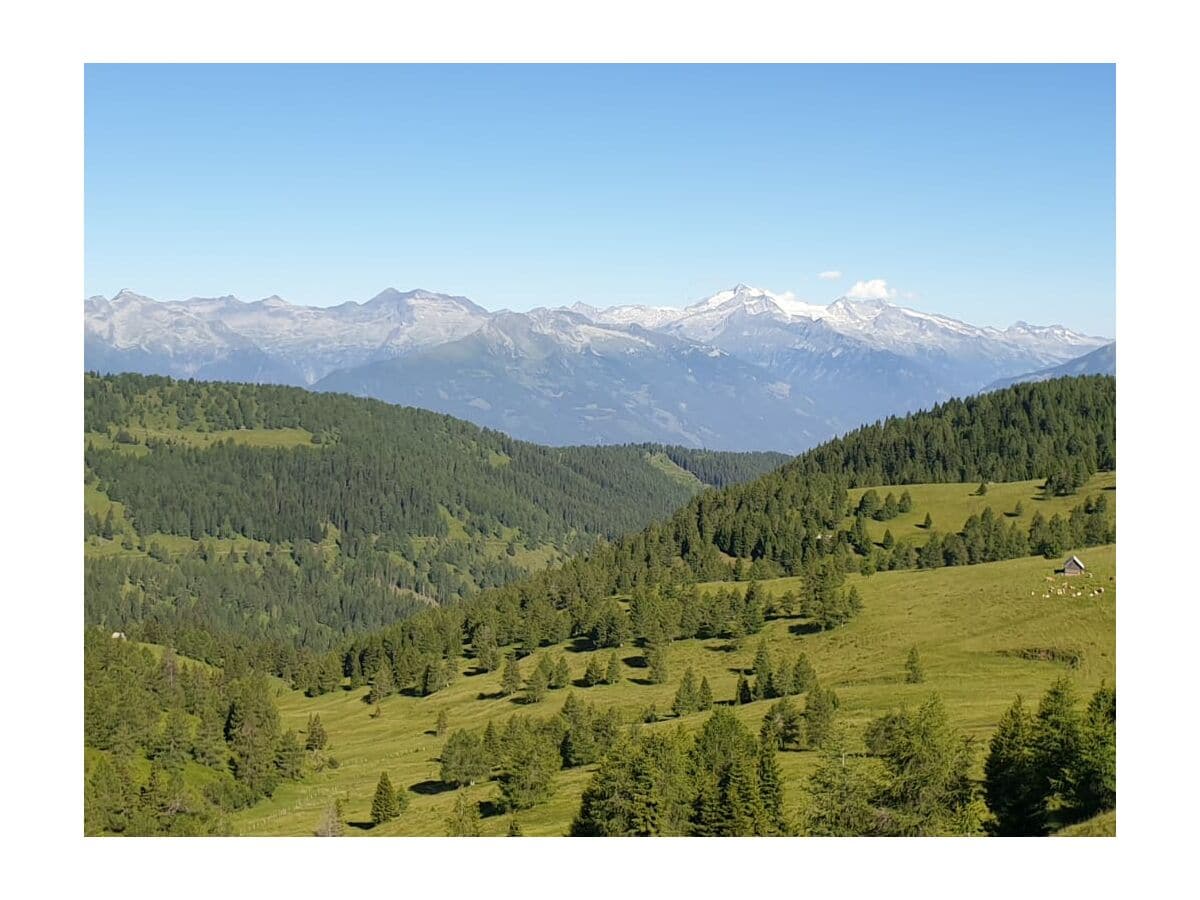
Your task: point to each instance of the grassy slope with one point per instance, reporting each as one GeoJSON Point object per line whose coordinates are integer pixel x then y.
{"type": "Point", "coordinates": [963, 621]}
{"type": "Point", "coordinates": [950, 505]}
{"type": "Point", "coordinates": [1101, 825]}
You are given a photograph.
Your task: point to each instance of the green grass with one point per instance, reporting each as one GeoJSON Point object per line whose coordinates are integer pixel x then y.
{"type": "Point", "coordinates": [1100, 825]}
{"type": "Point", "coordinates": [973, 626]}
{"type": "Point", "coordinates": [950, 505]}
{"type": "Point", "coordinates": [668, 467]}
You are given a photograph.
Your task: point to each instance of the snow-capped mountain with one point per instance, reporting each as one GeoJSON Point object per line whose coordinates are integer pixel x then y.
{"type": "Point", "coordinates": [744, 368]}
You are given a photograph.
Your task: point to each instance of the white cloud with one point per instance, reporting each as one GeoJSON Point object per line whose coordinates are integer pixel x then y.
{"type": "Point", "coordinates": [875, 289]}
{"type": "Point", "coordinates": [831, 275]}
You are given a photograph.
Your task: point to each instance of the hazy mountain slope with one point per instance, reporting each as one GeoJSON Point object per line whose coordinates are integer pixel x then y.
{"type": "Point", "coordinates": [1098, 362]}
{"type": "Point", "coordinates": [554, 377]}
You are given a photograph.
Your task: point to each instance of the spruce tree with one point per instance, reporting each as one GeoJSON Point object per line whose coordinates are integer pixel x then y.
{"type": "Point", "coordinates": [742, 693]}
{"type": "Point", "coordinates": [704, 699]}
{"type": "Point", "coordinates": [913, 672]}
{"type": "Point", "coordinates": [561, 676]}
{"type": "Point", "coordinates": [464, 759]}
{"type": "Point", "coordinates": [510, 680]}
{"type": "Point", "coordinates": [386, 805]}
{"type": "Point", "coordinates": [686, 698]}
{"type": "Point", "coordinates": [1090, 783]}
{"type": "Point", "coordinates": [770, 791]}
{"type": "Point", "coordinates": [612, 673]}
{"type": "Point", "coordinates": [535, 687]}
{"type": "Point", "coordinates": [656, 663]}
{"type": "Point", "coordinates": [595, 672]}
{"type": "Point", "coordinates": [382, 685]}
{"type": "Point", "coordinates": [819, 711]}
{"type": "Point", "coordinates": [764, 685]}
{"type": "Point", "coordinates": [840, 794]}
{"type": "Point", "coordinates": [1056, 739]}
{"type": "Point", "coordinates": [492, 747]}
{"type": "Point", "coordinates": [1010, 782]}
{"type": "Point", "coordinates": [315, 735]}
{"type": "Point", "coordinates": [928, 523]}
{"type": "Point", "coordinates": [443, 721]}
{"type": "Point", "coordinates": [464, 821]}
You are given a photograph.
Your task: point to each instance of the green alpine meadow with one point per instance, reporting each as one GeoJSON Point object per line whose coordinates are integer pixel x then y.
{"type": "Point", "coordinates": [318, 614]}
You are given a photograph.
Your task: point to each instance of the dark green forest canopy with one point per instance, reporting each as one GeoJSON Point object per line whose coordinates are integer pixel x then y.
{"type": "Point", "coordinates": [383, 511]}
{"type": "Point", "coordinates": [380, 469]}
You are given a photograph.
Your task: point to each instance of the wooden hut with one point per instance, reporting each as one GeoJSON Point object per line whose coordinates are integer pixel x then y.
{"type": "Point", "coordinates": [1074, 566]}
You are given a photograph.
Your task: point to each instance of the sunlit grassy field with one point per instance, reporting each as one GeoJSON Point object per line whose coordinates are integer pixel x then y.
{"type": "Point", "coordinates": [975, 628]}
{"type": "Point", "coordinates": [950, 505]}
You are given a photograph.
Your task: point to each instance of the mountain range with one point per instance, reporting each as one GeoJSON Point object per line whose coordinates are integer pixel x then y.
{"type": "Point", "coordinates": [743, 369]}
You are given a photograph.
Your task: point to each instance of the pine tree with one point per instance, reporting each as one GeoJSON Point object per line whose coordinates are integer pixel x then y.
{"type": "Point", "coordinates": [803, 676]}
{"type": "Point", "coordinates": [686, 699]}
{"type": "Point", "coordinates": [704, 698]}
{"type": "Point", "coordinates": [818, 715]}
{"type": "Point", "coordinates": [742, 693]}
{"type": "Point", "coordinates": [535, 687]}
{"type": "Point", "coordinates": [385, 806]}
{"type": "Point", "coordinates": [464, 821]}
{"type": "Point", "coordinates": [561, 676]}
{"type": "Point", "coordinates": [1055, 739]}
{"type": "Point", "coordinates": [1009, 778]}
{"type": "Point", "coordinates": [315, 736]}
{"type": "Point", "coordinates": [839, 794]}
{"type": "Point", "coordinates": [464, 759]}
{"type": "Point", "coordinates": [770, 791]}
{"type": "Point", "coordinates": [612, 674]}
{"type": "Point", "coordinates": [594, 674]}
{"type": "Point", "coordinates": [656, 663]}
{"type": "Point", "coordinates": [913, 672]}
{"type": "Point", "coordinates": [382, 685]}
{"type": "Point", "coordinates": [492, 747]}
{"type": "Point", "coordinates": [764, 676]}
{"type": "Point", "coordinates": [928, 523]}
{"type": "Point", "coordinates": [1090, 783]}
{"type": "Point", "coordinates": [510, 680]}
{"type": "Point", "coordinates": [443, 721]}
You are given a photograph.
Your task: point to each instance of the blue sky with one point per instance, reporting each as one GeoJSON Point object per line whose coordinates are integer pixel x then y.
{"type": "Point", "coordinates": [984, 192]}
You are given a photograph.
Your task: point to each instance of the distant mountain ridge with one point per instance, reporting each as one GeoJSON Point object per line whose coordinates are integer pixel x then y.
{"type": "Point", "coordinates": [743, 369]}
{"type": "Point", "coordinates": [1099, 362]}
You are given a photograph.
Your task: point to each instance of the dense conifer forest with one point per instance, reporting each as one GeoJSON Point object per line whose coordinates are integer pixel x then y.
{"type": "Point", "coordinates": [362, 514]}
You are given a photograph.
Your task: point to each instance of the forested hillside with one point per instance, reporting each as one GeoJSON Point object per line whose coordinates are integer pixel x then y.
{"type": "Point", "coordinates": [816, 520]}
{"type": "Point", "coordinates": [277, 514]}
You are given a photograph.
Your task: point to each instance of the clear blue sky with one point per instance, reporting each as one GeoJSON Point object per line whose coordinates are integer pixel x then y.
{"type": "Point", "coordinates": [984, 192]}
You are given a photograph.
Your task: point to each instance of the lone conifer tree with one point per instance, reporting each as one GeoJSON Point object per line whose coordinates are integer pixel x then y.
{"type": "Point", "coordinates": [705, 697]}
{"type": "Point", "coordinates": [510, 681]}
{"type": "Point", "coordinates": [385, 806]}
{"type": "Point", "coordinates": [561, 676]}
{"type": "Point", "coordinates": [613, 674]}
{"type": "Point", "coordinates": [686, 698]}
{"type": "Point", "coordinates": [315, 738]}
{"type": "Point", "coordinates": [464, 821]}
{"type": "Point", "coordinates": [443, 722]}
{"type": "Point", "coordinates": [913, 672]}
